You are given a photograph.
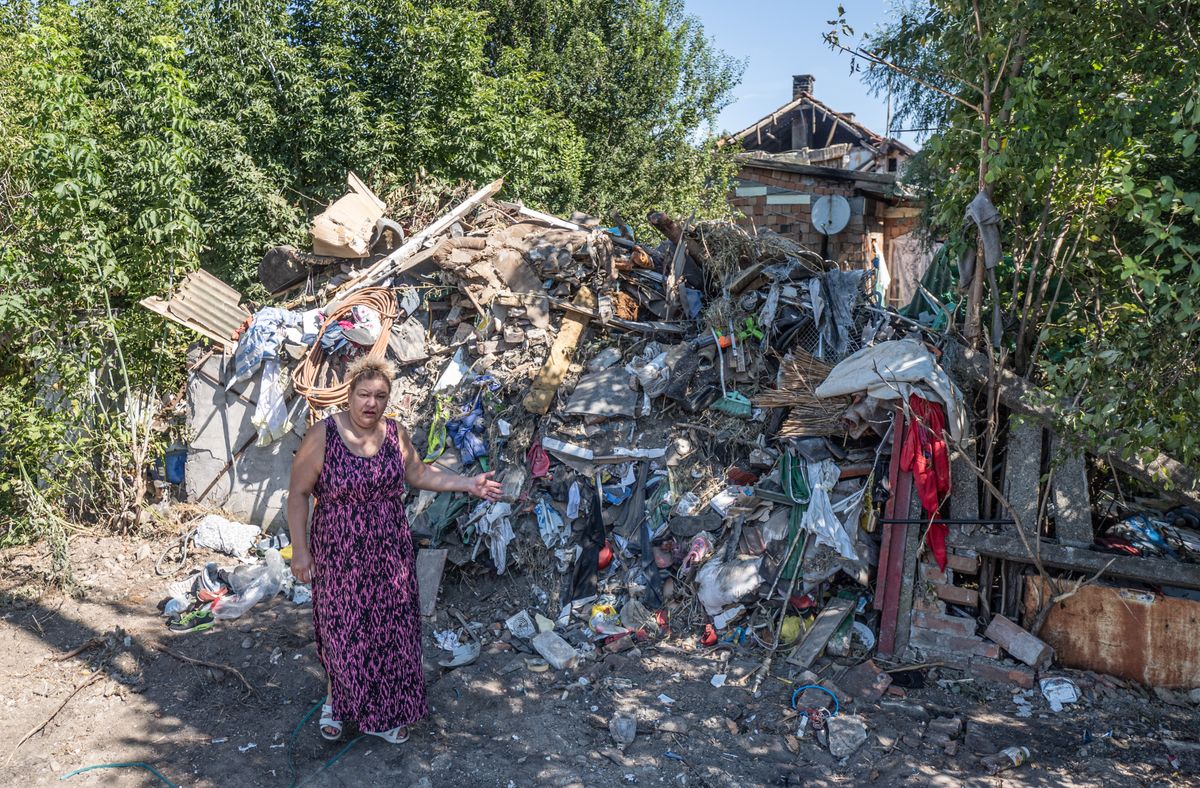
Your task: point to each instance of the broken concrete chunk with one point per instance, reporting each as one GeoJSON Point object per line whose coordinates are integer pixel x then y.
{"type": "Point", "coordinates": [866, 681]}
{"type": "Point", "coordinates": [846, 734]}
{"type": "Point", "coordinates": [1031, 650]}
{"type": "Point", "coordinates": [555, 650]}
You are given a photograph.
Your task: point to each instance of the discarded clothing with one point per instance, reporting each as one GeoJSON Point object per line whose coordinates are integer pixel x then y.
{"type": "Point", "coordinates": [923, 452]}
{"type": "Point", "coordinates": [465, 432]}
{"type": "Point", "coordinates": [261, 341]}
{"type": "Point", "coordinates": [983, 214]}
{"type": "Point", "coordinates": [270, 412]}
{"type": "Point", "coordinates": [497, 527]}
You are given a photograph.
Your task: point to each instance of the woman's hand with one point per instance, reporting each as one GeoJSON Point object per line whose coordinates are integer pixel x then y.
{"type": "Point", "coordinates": [482, 486]}
{"type": "Point", "coordinates": [302, 565]}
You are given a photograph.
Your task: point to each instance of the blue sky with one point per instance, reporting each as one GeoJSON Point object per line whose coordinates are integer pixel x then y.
{"type": "Point", "coordinates": [779, 39]}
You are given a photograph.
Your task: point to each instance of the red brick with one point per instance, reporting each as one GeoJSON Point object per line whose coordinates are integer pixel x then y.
{"type": "Point", "coordinates": [1021, 644]}
{"type": "Point", "coordinates": [952, 625]}
{"type": "Point", "coordinates": [966, 597]}
{"type": "Point", "coordinates": [932, 573]}
{"type": "Point", "coordinates": [968, 565]}
{"type": "Point", "coordinates": [1002, 674]}
{"type": "Point", "coordinates": [952, 644]}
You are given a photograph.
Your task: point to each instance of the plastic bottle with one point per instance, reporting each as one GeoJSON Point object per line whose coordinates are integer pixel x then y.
{"type": "Point", "coordinates": [1008, 758]}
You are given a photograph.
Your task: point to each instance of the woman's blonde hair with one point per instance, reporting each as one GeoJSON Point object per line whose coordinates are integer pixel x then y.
{"type": "Point", "coordinates": [368, 368]}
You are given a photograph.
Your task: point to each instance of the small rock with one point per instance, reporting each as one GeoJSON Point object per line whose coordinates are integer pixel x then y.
{"type": "Point", "coordinates": [247, 642]}
{"type": "Point", "coordinates": [1194, 696]}
{"type": "Point", "coordinates": [623, 729]}
{"type": "Point", "coordinates": [144, 552]}
{"type": "Point", "coordinates": [846, 734]}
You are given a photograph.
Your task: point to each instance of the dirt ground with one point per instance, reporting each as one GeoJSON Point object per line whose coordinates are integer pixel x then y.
{"type": "Point", "coordinates": [493, 723]}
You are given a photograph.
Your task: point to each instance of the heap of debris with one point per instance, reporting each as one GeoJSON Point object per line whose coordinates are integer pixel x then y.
{"type": "Point", "coordinates": [719, 435]}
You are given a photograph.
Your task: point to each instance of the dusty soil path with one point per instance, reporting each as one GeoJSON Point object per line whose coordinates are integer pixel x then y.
{"type": "Point", "coordinates": [494, 723]}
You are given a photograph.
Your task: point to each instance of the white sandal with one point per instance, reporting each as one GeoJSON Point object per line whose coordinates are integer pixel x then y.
{"type": "Point", "coordinates": [331, 729]}
{"type": "Point", "coordinates": [397, 735]}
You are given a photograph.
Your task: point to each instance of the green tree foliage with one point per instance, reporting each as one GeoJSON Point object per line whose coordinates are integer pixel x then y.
{"type": "Point", "coordinates": [141, 139]}
{"type": "Point", "coordinates": [1081, 118]}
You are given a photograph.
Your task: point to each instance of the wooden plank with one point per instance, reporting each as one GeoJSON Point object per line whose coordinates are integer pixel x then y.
{"type": "Point", "coordinates": [828, 620]}
{"type": "Point", "coordinates": [430, 565]}
{"type": "Point", "coordinates": [889, 622]}
{"type": "Point", "coordinates": [882, 577]}
{"type": "Point", "coordinates": [1156, 571]}
{"type": "Point", "coordinates": [546, 384]}
{"type": "Point", "coordinates": [1133, 634]}
{"type": "Point", "coordinates": [912, 548]}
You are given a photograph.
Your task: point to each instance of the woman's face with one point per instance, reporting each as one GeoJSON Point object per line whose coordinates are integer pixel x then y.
{"type": "Point", "coordinates": [368, 400]}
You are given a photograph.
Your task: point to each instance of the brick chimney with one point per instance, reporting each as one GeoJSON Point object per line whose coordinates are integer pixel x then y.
{"type": "Point", "coordinates": [802, 83]}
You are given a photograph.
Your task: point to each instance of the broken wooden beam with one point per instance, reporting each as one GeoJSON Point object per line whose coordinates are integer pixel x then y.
{"type": "Point", "coordinates": [667, 226]}
{"type": "Point", "coordinates": [1156, 571]}
{"type": "Point", "coordinates": [546, 384]}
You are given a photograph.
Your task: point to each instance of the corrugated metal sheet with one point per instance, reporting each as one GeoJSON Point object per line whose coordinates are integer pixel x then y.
{"type": "Point", "coordinates": [1132, 634]}
{"type": "Point", "coordinates": [204, 304]}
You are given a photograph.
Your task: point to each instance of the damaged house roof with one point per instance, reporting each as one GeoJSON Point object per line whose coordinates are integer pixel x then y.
{"type": "Point", "coordinates": [808, 131]}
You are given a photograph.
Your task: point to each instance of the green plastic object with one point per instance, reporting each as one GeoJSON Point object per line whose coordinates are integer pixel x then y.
{"type": "Point", "coordinates": [731, 402]}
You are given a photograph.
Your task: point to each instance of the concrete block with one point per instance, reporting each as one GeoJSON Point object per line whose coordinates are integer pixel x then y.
{"type": "Point", "coordinates": [254, 486]}
{"type": "Point", "coordinates": [928, 640]}
{"type": "Point", "coordinates": [846, 734]}
{"type": "Point", "coordinates": [1072, 504]}
{"type": "Point", "coordinates": [1023, 470]}
{"type": "Point", "coordinates": [555, 650]}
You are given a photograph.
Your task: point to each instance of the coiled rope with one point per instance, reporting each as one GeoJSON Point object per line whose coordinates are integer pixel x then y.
{"type": "Point", "coordinates": [383, 301]}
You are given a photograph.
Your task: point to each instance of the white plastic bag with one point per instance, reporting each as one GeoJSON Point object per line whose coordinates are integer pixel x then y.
{"type": "Point", "coordinates": [820, 518]}
{"type": "Point", "coordinates": [265, 583]}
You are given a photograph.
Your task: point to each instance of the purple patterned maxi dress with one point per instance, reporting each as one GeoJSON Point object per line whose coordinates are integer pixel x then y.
{"type": "Point", "coordinates": [365, 605]}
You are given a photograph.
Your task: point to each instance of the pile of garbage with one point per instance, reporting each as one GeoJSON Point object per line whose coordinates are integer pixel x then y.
{"type": "Point", "coordinates": [693, 431]}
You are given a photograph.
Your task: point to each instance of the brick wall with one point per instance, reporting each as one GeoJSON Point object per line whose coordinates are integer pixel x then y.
{"type": "Point", "coordinates": [794, 220]}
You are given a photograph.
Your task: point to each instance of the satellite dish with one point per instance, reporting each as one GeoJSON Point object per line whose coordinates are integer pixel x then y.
{"type": "Point", "coordinates": [830, 213]}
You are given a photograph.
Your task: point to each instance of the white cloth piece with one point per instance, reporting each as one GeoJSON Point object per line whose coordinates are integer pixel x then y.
{"type": "Point", "coordinates": [820, 518]}
{"type": "Point", "coordinates": [496, 525]}
{"type": "Point", "coordinates": [573, 501]}
{"type": "Point", "coordinates": [550, 524]}
{"type": "Point", "coordinates": [895, 370]}
{"type": "Point", "coordinates": [226, 536]}
{"type": "Point", "coordinates": [271, 412]}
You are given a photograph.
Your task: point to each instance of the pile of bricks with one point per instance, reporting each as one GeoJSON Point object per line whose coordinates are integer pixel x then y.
{"type": "Point", "coordinates": [936, 631]}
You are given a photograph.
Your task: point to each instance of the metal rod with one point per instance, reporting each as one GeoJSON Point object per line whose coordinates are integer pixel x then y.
{"type": "Point", "coordinates": [949, 522]}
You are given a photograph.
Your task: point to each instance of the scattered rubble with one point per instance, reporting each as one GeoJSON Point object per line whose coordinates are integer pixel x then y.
{"type": "Point", "coordinates": [714, 443]}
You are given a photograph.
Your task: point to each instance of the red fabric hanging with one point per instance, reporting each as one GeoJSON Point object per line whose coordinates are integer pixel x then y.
{"type": "Point", "coordinates": [924, 452]}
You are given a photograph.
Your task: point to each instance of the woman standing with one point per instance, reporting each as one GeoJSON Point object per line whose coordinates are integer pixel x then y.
{"type": "Point", "coordinates": [360, 558]}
